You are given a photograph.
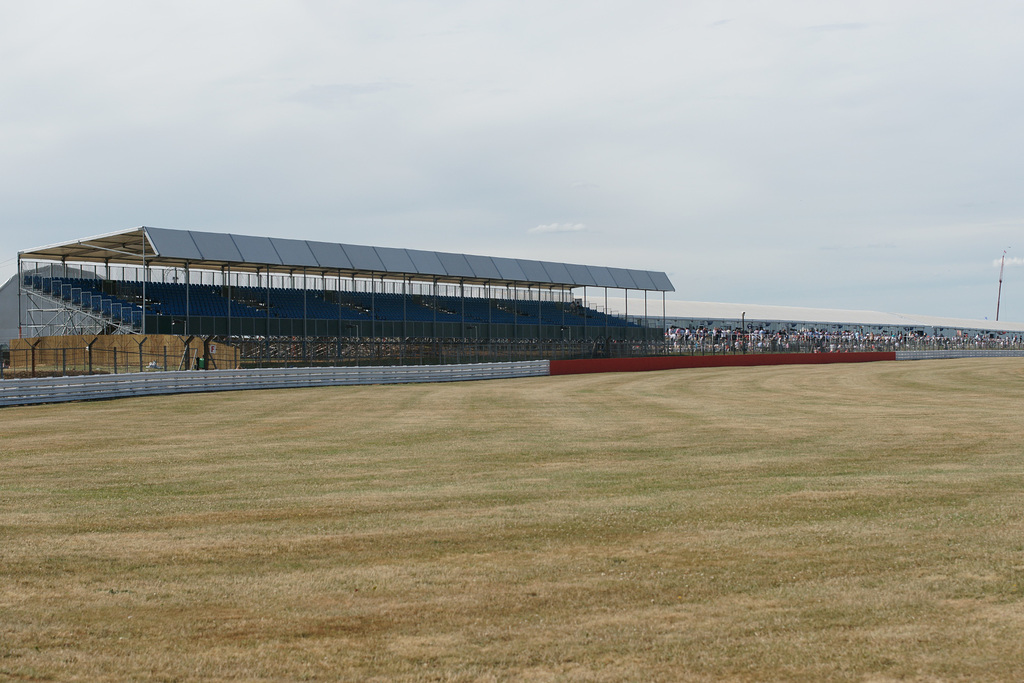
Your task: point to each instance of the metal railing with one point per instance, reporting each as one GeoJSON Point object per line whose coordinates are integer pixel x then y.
{"type": "Point", "coordinates": [92, 387]}
{"type": "Point", "coordinates": [959, 353]}
{"type": "Point", "coordinates": [354, 352]}
{"type": "Point", "coordinates": [32, 361]}
{"type": "Point", "coordinates": [82, 360]}
{"type": "Point", "coordinates": [752, 343]}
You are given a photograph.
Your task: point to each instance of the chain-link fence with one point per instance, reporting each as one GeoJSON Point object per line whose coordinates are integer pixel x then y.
{"type": "Point", "coordinates": [132, 353]}
{"type": "Point", "coordinates": [76, 360]}
{"type": "Point", "coordinates": [31, 359]}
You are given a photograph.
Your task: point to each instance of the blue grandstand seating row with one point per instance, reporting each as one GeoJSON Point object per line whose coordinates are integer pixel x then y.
{"type": "Point", "coordinates": [174, 299]}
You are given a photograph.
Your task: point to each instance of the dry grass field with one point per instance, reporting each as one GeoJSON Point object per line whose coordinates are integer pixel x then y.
{"type": "Point", "coordinates": [844, 522]}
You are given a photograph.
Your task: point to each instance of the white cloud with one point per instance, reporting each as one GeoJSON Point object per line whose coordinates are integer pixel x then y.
{"type": "Point", "coordinates": [840, 26]}
{"type": "Point", "coordinates": [338, 93]}
{"type": "Point", "coordinates": [557, 227]}
{"type": "Point", "coordinates": [677, 138]}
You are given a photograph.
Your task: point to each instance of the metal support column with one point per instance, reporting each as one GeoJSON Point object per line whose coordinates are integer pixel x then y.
{"type": "Point", "coordinates": [606, 314]}
{"type": "Point", "coordinates": [645, 313]}
{"type": "Point", "coordinates": [540, 313]}
{"type": "Point", "coordinates": [267, 334]}
{"type": "Point", "coordinates": [144, 278]}
{"type": "Point", "coordinates": [305, 329]}
{"type": "Point", "coordinates": [339, 315]}
{"type": "Point", "coordinates": [584, 312]}
{"type": "Point", "coordinates": [515, 312]}
{"type": "Point", "coordinates": [188, 318]}
{"type": "Point", "coordinates": [563, 308]}
{"type": "Point", "coordinates": [227, 282]}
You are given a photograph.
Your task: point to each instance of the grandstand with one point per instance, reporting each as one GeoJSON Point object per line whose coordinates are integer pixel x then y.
{"type": "Point", "coordinates": [752, 316]}
{"type": "Point", "coordinates": [240, 288]}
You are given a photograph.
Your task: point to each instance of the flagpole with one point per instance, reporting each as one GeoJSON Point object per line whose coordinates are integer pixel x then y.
{"type": "Point", "coordinates": [999, 295]}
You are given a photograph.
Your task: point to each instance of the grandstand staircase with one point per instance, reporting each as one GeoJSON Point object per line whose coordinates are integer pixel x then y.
{"type": "Point", "coordinates": [57, 314]}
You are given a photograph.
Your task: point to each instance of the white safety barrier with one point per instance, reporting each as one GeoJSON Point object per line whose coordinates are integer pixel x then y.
{"type": "Point", "coordinates": [958, 353]}
{"type": "Point", "coordinates": [90, 387]}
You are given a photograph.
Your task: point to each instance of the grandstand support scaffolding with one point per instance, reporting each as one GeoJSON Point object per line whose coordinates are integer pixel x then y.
{"type": "Point", "coordinates": [48, 314]}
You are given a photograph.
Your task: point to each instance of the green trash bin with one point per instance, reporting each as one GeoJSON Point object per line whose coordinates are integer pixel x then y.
{"type": "Point", "coordinates": [202, 363]}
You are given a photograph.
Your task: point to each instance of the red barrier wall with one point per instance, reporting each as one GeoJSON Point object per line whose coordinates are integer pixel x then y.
{"type": "Point", "coordinates": [587, 365]}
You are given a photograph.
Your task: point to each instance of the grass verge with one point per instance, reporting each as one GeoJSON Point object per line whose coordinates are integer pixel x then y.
{"type": "Point", "coordinates": [843, 522]}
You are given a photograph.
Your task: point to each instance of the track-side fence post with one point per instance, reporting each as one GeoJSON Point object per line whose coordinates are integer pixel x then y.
{"type": "Point", "coordinates": [88, 349]}
{"type": "Point", "coordinates": [140, 343]}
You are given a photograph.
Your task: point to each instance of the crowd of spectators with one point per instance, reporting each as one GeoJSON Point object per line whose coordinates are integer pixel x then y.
{"type": "Point", "coordinates": [806, 340]}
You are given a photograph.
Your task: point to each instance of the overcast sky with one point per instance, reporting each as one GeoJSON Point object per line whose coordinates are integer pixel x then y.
{"type": "Point", "coordinates": [861, 155]}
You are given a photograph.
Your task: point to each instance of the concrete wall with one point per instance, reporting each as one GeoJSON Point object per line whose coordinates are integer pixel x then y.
{"type": "Point", "coordinates": [573, 367]}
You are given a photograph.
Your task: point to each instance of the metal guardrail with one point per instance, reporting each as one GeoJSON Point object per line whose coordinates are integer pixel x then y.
{"type": "Point", "coordinates": [960, 353]}
{"type": "Point", "coordinates": [92, 387]}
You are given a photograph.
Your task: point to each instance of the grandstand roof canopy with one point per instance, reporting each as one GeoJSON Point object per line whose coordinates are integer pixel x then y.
{"type": "Point", "coordinates": [178, 248]}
